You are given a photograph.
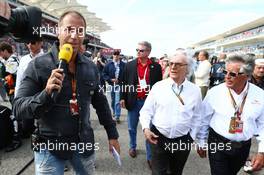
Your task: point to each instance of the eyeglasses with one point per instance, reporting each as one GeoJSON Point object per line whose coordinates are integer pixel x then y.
{"type": "Point", "coordinates": [232, 74]}
{"type": "Point", "coordinates": [177, 64]}
{"type": "Point", "coordinates": [140, 50]}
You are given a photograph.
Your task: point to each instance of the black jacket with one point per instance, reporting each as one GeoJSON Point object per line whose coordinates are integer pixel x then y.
{"type": "Point", "coordinates": [130, 81]}
{"type": "Point", "coordinates": [254, 81]}
{"type": "Point", "coordinates": [54, 119]}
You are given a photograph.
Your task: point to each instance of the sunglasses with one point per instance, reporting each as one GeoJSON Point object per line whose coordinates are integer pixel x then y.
{"type": "Point", "coordinates": [140, 50]}
{"type": "Point", "coordinates": [232, 74]}
{"type": "Point", "coordinates": [177, 64]}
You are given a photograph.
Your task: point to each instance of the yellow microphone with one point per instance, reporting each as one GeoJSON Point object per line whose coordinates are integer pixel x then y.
{"type": "Point", "coordinates": [65, 55]}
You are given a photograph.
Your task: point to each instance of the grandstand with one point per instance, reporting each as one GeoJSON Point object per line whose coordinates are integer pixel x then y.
{"type": "Point", "coordinates": [247, 38]}
{"type": "Point", "coordinates": [52, 9]}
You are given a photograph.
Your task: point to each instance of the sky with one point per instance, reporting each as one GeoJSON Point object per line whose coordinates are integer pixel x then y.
{"type": "Point", "coordinates": [169, 24]}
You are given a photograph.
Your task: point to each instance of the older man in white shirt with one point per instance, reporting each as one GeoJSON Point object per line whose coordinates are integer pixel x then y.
{"type": "Point", "coordinates": [232, 113]}
{"type": "Point", "coordinates": [172, 106]}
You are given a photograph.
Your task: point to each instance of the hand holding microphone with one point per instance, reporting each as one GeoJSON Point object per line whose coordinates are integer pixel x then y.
{"type": "Point", "coordinates": [54, 83]}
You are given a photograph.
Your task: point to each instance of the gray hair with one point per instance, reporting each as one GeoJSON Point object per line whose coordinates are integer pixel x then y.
{"type": "Point", "coordinates": [248, 63]}
{"type": "Point", "coordinates": [145, 43]}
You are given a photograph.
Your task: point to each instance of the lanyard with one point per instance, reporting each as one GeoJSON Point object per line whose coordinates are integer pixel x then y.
{"type": "Point", "coordinates": [144, 74]}
{"type": "Point", "coordinates": [238, 109]}
{"type": "Point", "coordinates": [73, 82]}
{"type": "Point", "coordinates": [178, 94]}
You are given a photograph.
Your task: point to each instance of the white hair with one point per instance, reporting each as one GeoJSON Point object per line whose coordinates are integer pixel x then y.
{"type": "Point", "coordinates": [188, 60]}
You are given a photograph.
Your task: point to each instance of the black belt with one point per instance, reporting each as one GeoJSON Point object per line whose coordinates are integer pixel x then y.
{"type": "Point", "coordinates": [156, 131]}
{"type": "Point", "coordinates": [218, 138]}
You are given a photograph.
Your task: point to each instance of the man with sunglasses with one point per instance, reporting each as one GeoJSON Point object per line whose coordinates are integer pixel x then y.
{"type": "Point", "coordinates": [232, 113]}
{"type": "Point", "coordinates": [27, 126]}
{"type": "Point", "coordinates": [138, 78]}
{"type": "Point", "coordinates": [112, 74]}
{"type": "Point", "coordinates": [35, 50]}
{"type": "Point", "coordinates": [173, 108]}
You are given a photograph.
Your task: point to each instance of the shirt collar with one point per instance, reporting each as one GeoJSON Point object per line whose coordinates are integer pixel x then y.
{"type": "Point", "coordinates": [38, 54]}
{"type": "Point", "coordinates": [242, 93]}
{"type": "Point", "coordinates": [116, 62]}
{"type": "Point", "coordinates": [148, 61]}
{"type": "Point", "coordinates": [175, 85]}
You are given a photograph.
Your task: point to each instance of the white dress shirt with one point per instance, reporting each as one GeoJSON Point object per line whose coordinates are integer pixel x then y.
{"type": "Point", "coordinates": [202, 73]}
{"type": "Point", "coordinates": [217, 109]}
{"type": "Point", "coordinates": [117, 68]}
{"type": "Point", "coordinates": [163, 109]}
{"type": "Point", "coordinates": [23, 63]}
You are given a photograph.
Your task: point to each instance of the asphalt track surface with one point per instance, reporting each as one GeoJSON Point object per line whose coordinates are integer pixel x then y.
{"type": "Point", "coordinates": [11, 163]}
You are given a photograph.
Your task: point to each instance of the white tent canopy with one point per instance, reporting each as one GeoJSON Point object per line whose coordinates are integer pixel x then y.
{"type": "Point", "coordinates": [57, 7]}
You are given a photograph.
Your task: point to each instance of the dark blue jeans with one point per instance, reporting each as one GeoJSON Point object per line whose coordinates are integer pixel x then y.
{"type": "Point", "coordinates": [132, 120]}
{"type": "Point", "coordinates": [115, 100]}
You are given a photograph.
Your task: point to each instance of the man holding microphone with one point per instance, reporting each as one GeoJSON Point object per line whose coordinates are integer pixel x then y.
{"type": "Point", "coordinates": [60, 98]}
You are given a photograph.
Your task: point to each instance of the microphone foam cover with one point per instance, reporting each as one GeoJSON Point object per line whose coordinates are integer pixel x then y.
{"type": "Point", "coordinates": [65, 53]}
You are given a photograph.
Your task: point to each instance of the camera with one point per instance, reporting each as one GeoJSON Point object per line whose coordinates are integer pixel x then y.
{"type": "Point", "coordinates": [23, 22]}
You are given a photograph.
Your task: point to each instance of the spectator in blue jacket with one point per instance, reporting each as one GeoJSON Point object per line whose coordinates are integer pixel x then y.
{"type": "Point", "coordinates": [112, 74]}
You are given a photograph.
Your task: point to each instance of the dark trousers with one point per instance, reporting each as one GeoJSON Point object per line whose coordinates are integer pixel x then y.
{"type": "Point", "coordinates": [229, 160]}
{"type": "Point", "coordinates": [171, 153]}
